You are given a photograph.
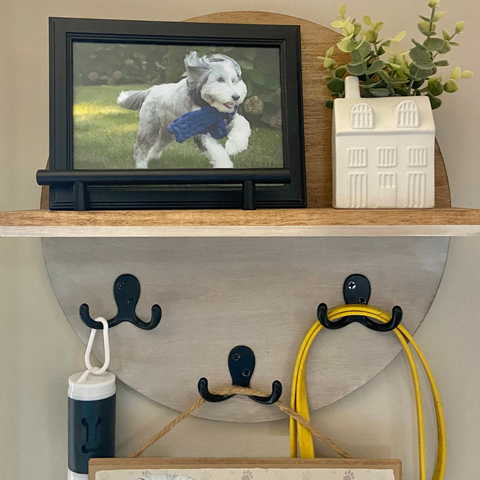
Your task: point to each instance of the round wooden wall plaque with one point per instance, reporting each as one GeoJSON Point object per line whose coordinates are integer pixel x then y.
{"type": "Point", "coordinates": [217, 293]}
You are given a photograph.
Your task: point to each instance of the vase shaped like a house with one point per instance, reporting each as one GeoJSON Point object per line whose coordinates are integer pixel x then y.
{"type": "Point", "coordinates": [383, 151]}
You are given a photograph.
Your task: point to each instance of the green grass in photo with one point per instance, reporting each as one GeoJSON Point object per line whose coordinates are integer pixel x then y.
{"type": "Point", "coordinates": [105, 134]}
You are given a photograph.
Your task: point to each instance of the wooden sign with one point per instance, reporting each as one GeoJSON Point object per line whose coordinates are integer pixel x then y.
{"type": "Point", "coordinates": [243, 469]}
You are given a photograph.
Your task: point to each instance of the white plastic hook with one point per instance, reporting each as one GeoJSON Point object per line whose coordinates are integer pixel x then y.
{"type": "Point", "coordinates": [88, 352]}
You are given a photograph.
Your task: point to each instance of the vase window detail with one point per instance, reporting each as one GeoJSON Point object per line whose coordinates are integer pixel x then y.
{"type": "Point", "coordinates": [387, 157]}
{"type": "Point", "coordinates": [408, 115]}
{"type": "Point", "coordinates": [357, 157]}
{"type": "Point", "coordinates": [358, 190]}
{"type": "Point", "coordinates": [416, 182]}
{"type": "Point", "coordinates": [361, 116]}
{"type": "Point", "coordinates": [387, 180]}
{"type": "Point", "coordinates": [417, 156]}
{"type": "Point", "coordinates": [387, 183]}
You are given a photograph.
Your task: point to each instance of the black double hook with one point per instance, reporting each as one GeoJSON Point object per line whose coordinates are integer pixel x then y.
{"type": "Point", "coordinates": [126, 291]}
{"type": "Point", "coordinates": [241, 363]}
{"type": "Point", "coordinates": [357, 290]}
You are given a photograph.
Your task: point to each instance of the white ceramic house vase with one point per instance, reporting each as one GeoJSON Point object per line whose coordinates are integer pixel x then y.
{"type": "Point", "coordinates": [383, 151]}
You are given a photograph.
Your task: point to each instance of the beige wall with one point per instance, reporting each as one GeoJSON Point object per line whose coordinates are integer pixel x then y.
{"type": "Point", "coordinates": [38, 349]}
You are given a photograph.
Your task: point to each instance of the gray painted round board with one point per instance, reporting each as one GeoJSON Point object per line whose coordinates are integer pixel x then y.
{"type": "Point", "coordinates": [217, 293]}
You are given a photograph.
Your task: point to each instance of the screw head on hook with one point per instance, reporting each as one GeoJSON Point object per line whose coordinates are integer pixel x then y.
{"type": "Point", "coordinates": [241, 363]}
{"type": "Point", "coordinates": [356, 289]}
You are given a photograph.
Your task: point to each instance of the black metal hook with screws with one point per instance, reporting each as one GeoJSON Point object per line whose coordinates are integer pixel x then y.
{"type": "Point", "coordinates": [126, 291]}
{"type": "Point", "coordinates": [241, 363]}
{"type": "Point", "coordinates": [357, 290]}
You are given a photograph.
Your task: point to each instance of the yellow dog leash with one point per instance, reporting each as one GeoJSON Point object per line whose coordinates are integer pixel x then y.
{"type": "Point", "coordinates": [299, 401]}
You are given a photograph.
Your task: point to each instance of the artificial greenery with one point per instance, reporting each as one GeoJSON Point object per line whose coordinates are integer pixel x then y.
{"type": "Point", "coordinates": [386, 71]}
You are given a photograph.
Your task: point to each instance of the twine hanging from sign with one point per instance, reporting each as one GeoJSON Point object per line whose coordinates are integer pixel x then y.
{"type": "Point", "coordinates": [243, 391]}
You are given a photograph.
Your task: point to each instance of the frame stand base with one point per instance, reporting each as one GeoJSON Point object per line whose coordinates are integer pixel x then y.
{"type": "Point", "coordinates": [80, 197]}
{"type": "Point", "coordinates": [249, 196]}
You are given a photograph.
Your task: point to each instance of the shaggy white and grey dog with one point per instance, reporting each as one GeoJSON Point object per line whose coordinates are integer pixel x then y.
{"type": "Point", "coordinates": [214, 80]}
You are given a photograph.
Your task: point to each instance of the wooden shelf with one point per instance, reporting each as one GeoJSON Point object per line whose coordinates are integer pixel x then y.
{"type": "Point", "coordinates": [309, 222]}
{"type": "Point", "coordinates": [317, 221]}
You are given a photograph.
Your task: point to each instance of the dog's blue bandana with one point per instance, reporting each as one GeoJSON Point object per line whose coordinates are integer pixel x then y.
{"type": "Point", "coordinates": [206, 120]}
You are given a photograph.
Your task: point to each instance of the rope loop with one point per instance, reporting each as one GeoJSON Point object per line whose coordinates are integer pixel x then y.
{"type": "Point", "coordinates": [88, 352]}
{"type": "Point", "coordinates": [234, 390]}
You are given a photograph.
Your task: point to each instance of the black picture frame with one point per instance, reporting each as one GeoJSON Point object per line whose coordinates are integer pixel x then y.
{"type": "Point", "coordinates": [76, 189]}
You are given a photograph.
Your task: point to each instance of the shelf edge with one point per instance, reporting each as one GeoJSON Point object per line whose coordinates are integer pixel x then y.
{"type": "Point", "coordinates": [242, 231]}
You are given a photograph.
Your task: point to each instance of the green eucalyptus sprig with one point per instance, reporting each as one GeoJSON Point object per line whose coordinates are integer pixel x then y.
{"type": "Point", "coordinates": [384, 69]}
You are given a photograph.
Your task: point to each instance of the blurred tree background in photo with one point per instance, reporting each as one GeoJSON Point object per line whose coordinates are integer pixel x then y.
{"type": "Point", "coordinates": [104, 133]}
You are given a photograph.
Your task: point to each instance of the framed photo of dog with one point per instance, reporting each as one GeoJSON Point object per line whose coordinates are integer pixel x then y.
{"type": "Point", "coordinates": [174, 115]}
